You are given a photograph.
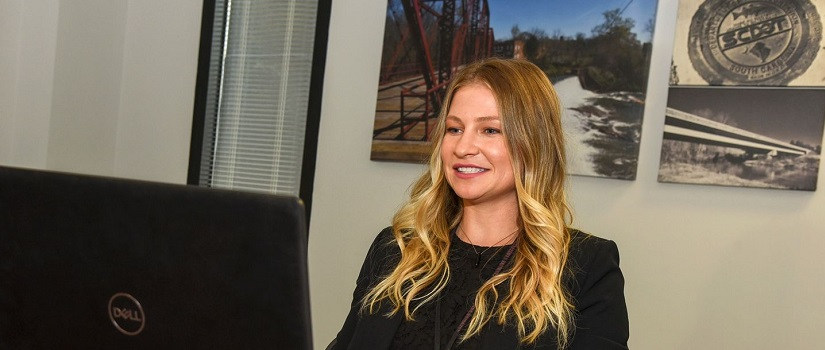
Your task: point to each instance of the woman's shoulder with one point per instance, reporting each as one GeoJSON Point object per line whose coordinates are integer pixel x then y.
{"type": "Point", "coordinates": [589, 255]}
{"type": "Point", "coordinates": [586, 244]}
{"type": "Point", "coordinates": [384, 236]}
{"type": "Point", "coordinates": [596, 284]}
{"type": "Point", "coordinates": [384, 241]}
{"type": "Point", "coordinates": [383, 250]}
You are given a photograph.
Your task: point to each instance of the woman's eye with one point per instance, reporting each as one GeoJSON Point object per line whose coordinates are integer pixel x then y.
{"type": "Point", "coordinates": [492, 131]}
{"type": "Point", "coordinates": [453, 130]}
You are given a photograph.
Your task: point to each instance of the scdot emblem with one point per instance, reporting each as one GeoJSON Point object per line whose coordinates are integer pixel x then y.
{"type": "Point", "coordinates": [749, 42]}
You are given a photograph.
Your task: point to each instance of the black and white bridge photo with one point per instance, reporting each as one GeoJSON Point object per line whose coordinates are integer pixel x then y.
{"type": "Point", "coordinates": [748, 137]}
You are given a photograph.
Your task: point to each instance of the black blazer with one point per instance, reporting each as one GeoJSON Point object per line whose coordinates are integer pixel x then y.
{"type": "Point", "coordinates": [594, 280]}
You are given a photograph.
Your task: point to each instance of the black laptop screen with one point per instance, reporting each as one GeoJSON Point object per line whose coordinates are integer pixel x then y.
{"type": "Point", "coordinates": [93, 262]}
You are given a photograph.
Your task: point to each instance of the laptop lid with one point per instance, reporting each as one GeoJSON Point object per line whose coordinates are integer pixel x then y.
{"type": "Point", "coordinates": [94, 262]}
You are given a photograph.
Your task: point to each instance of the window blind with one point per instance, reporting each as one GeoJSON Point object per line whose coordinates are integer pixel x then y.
{"type": "Point", "coordinates": [257, 95]}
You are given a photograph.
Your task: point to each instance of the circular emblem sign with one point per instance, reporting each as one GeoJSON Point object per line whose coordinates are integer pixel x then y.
{"type": "Point", "coordinates": [126, 314]}
{"type": "Point", "coordinates": [753, 42]}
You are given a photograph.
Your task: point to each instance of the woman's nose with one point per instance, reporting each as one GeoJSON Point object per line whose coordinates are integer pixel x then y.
{"type": "Point", "coordinates": [466, 145]}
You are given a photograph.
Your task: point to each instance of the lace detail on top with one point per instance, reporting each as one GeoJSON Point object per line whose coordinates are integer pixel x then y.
{"type": "Point", "coordinates": [456, 298]}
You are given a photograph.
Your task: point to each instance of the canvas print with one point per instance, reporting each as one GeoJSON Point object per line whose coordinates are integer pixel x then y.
{"type": "Point", "coordinates": [747, 137]}
{"type": "Point", "coordinates": [596, 53]}
{"type": "Point", "coordinates": [749, 43]}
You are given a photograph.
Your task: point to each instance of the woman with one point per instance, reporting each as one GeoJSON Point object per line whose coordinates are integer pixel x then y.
{"type": "Point", "coordinates": [481, 257]}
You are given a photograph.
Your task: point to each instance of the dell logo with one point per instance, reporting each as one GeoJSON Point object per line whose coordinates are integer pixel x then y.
{"type": "Point", "coordinates": [126, 314]}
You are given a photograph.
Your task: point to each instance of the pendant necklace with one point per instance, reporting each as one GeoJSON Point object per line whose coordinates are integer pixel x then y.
{"type": "Point", "coordinates": [479, 254]}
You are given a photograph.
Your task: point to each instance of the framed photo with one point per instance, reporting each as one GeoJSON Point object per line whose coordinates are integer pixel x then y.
{"type": "Point", "coordinates": [596, 54]}
{"type": "Point", "coordinates": [746, 137]}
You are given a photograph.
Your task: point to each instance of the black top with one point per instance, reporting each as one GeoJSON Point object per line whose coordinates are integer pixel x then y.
{"type": "Point", "coordinates": [470, 267]}
{"type": "Point", "coordinates": [593, 279]}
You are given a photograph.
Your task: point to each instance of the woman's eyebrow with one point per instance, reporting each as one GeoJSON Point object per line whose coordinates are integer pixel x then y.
{"type": "Point", "coordinates": [488, 118]}
{"type": "Point", "coordinates": [454, 119]}
{"type": "Point", "coordinates": [477, 120]}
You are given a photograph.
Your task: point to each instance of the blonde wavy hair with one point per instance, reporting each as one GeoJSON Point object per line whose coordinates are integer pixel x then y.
{"type": "Point", "coordinates": [536, 300]}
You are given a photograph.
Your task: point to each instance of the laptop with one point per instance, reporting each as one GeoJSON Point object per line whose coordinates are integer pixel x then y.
{"type": "Point", "coordinates": [94, 262]}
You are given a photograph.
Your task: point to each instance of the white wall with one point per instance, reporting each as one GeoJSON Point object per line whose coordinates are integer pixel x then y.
{"type": "Point", "coordinates": [86, 90]}
{"type": "Point", "coordinates": [10, 15]}
{"type": "Point", "coordinates": [98, 86]}
{"type": "Point", "coordinates": [28, 36]}
{"type": "Point", "coordinates": [160, 63]}
{"type": "Point", "coordinates": [706, 267]}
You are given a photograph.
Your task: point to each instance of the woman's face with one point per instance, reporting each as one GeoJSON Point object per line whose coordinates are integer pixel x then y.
{"type": "Point", "coordinates": [474, 150]}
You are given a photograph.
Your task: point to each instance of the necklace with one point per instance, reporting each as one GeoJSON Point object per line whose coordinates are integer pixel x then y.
{"type": "Point", "coordinates": [473, 245]}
